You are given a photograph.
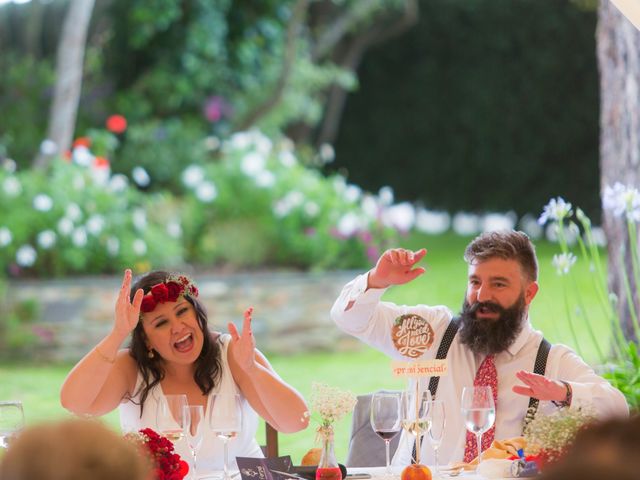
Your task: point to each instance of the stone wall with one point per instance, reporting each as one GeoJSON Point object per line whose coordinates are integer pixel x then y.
{"type": "Point", "coordinates": [291, 310]}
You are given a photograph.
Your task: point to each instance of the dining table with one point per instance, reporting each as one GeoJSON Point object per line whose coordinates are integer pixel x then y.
{"type": "Point", "coordinates": [378, 473]}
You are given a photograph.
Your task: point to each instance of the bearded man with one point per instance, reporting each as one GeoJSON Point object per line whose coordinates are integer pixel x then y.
{"type": "Point", "coordinates": [491, 343]}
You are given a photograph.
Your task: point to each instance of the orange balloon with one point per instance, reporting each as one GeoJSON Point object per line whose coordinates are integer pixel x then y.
{"type": "Point", "coordinates": [416, 472]}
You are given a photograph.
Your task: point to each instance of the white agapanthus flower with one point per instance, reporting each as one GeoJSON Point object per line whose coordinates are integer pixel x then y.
{"type": "Point", "coordinates": [12, 187]}
{"type": "Point", "coordinates": [385, 196]}
{"type": "Point", "coordinates": [239, 141]}
{"type": "Point", "coordinates": [174, 229]}
{"type": "Point", "coordinates": [311, 209]}
{"type": "Point", "coordinates": [48, 147]}
{"type": "Point", "coordinates": [82, 156]}
{"type": "Point", "coordinates": [401, 216]}
{"type": "Point", "coordinates": [465, 223]}
{"type": "Point", "coordinates": [139, 247]}
{"type": "Point", "coordinates": [352, 193]}
{"type": "Point", "coordinates": [563, 262]}
{"type": "Point", "coordinates": [262, 143]}
{"type": "Point", "coordinates": [73, 212]}
{"type": "Point", "coordinates": [139, 217]}
{"type": "Point", "coordinates": [265, 179]}
{"type": "Point", "coordinates": [206, 192]}
{"type": "Point", "coordinates": [46, 239]}
{"type": "Point", "coordinates": [339, 184]}
{"type": "Point", "coordinates": [493, 222]}
{"type": "Point", "coordinates": [287, 158]}
{"type": "Point", "coordinates": [118, 183]}
{"type": "Point", "coordinates": [26, 256]}
{"type": "Point", "coordinates": [65, 226]}
{"type": "Point", "coordinates": [327, 153]}
{"type": "Point", "coordinates": [192, 176]}
{"type": "Point", "coordinates": [349, 224]}
{"type": "Point", "coordinates": [5, 236]}
{"type": "Point", "coordinates": [79, 237]}
{"type": "Point", "coordinates": [253, 163]}
{"type": "Point", "coordinates": [141, 177]}
{"type": "Point", "coordinates": [369, 206]}
{"type": "Point", "coordinates": [212, 143]}
{"type": "Point", "coordinates": [432, 222]}
{"type": "Point", "coordinates": [529, 225]}
{"type": "Point", "coordinates": [622, 200]}
{"type": "Point", "coordinates": [42, 202]}
{"type": "Point", "coordinates": [599, 236]}
{"type": "Point", "coordinates": [556, 210]}
{"type": "Point", "coordinates": [113, 246]}
{"type": "Point", "coordinates": [95, 224]}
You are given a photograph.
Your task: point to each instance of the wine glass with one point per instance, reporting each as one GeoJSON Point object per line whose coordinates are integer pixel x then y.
{"type": "Point", "coordinates": [170, 416]}
{"type": "Point", "coordinates": [385, 418]}
{"type": "Point", "coordinates": [415, 415]}
{"type": "Point", "coordinates": [11, 421]}
{"type": "Point", "coordinates": [226, 421]}
{"type": "Point", "coordinates": [193, 417]}
{"type": "Point", "coordinates": [478, 411]}
{"type": "Point", "coordinates": [436, 428]}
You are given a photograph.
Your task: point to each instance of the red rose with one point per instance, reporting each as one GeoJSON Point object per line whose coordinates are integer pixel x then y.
{"type": "Point", "coordinates": [193, 290]}
{"type": "Point", "coordinates": [174, 291]}
{"type": "Point", "coordinates": [148, 304]}
{"type": "Point", "coordinates": [116, 123]}
{"type": "Point", "coordinates": [82, 141]}
{"type": "Point", "coordinates": [160, 292]}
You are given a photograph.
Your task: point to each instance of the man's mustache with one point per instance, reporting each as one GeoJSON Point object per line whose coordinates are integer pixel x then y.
{"type": "Point", "coordinates": [490, 306]}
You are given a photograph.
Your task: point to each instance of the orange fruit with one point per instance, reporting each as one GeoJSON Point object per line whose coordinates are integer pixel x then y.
{"type": "Point", "coordinates": [416, 472]}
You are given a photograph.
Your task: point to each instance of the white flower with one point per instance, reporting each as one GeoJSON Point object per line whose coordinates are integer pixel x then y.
{"type": "Point", "coordinates": [118, 183]}
{"type": "Point", "coordinates": [26, 256]}
{"type": "Point", "coordinates": [65, 226]}
{"type": "Point", "coordinates": [139, 218]}
{"type": "Point", "coordinates": [206, 192]}
{"type": "Point", "coordinates": [240, 140]}
{"type": "Point", "coordinates": [174, 229]}
{"type": "Point", "coordinates": [493, 222]}
{"type": "Point", "coordinates": [46, 239]}
{"type": "Point", "coordinates": [253, 163]}
{"type": "Point", "coordinates": [331, 403]}
{"type": "Point", "coordinates": [327, 153]}
{"type": "Point", "coordinates": [263, 144]}
{"type": "Point", "coordinates": [466, 223]}
{"type": "Point", "coordinates": [432, 222]}
{"type": "Point", "coordinates": [212, 143]}
{"type": "Point", "coordinates": [287, 159]}
{"type": "Point", "coordinates": [192, 176]}
{"type": "Point", "coordinates": [82, 156]}
{"type": "Point", "coordinates": [348, 225]}
{"type": "Point", "coordinates": [386, 196]}
{"type": "Point", "coordinates": [311, 209]}
{"type": "Point", "coordinates": [141, 177]}
{"type": "Point", "coordinates": [265, 179]}
{"type": "Point", "coordinates": [79, 237]}
{"type": "Point", "coordinates": [113, 246]}
{"type": "Point", "coordinates": [5, 236]}
{"type": "Point", "coordinates": [42, 202]}
{"type": "Point", "coordinates": [370, 206]}
{"type": "Point", "coordinates": [401, 216]}
{"type": "Point", "coordinates": [556, 210]}
{"type": "Point", "coordinates": [599, 237]}
{"type": "Point", "coordinates": [12, 187]}
{"type": "Point", "coordinates": [48, 147]}
{"type": "Point", "coordinates": [621, 200]}
{"type": "Point", "coordinates": [352, 193]}
{"type": "Point", "coordinates": [139, 247]}
{"type": "Point", "coordinates": [95, 224]}
{"type": "Point", "coordinates": [73, 212]}
{"type": "Point", "coordinates": [563, 262]}
{"type": "Point", "coordinates": [529, 225]}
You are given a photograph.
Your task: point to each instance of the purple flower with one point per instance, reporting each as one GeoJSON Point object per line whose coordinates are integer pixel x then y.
{"type": "Point", "coordinates": [215, 108]}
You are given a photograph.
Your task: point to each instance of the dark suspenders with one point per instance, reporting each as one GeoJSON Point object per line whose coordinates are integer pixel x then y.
{"type": "Point", "coordinates": [539, 367]}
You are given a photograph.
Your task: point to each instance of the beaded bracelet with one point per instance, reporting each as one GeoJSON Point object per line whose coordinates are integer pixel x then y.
{"type": "Point", "coordinates": [104, 357]}
{"type": "Point", "coordinates": [567, 401]}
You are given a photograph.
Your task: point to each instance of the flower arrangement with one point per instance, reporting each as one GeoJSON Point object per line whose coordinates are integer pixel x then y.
{"type": "Point", "coordinates": [330, 403]}
{"type": "Point", "coordinates": [167, 464]}
{"type": "Point", "coordinates": [549, 436]}
{"type": "Point", "coordinates": [169, 291]}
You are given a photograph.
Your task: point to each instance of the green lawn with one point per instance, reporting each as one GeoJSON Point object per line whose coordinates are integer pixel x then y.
{"type": "Point", "coordinates": [364, 370]}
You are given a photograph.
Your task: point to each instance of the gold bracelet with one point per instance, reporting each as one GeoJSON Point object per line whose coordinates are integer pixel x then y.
{"type": "Point", "coordinates": [104, 357]}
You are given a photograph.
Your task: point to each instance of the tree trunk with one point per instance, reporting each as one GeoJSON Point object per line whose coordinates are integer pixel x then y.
{"type": "Point", "coordinates": [69, 65]}
{"type": "Point", "coordinates": [618, 46]}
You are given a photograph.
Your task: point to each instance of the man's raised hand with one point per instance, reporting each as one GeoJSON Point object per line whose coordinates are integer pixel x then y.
{"type": "Point", "coordinates": [396, 267]}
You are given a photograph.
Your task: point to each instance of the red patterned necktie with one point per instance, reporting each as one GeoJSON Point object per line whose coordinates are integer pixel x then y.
{"type": "Point", "coordinates": [486, 376]}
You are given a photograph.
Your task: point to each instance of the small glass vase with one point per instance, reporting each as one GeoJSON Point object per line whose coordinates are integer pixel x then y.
{"type": "Point", "coordinates": [328, 468]}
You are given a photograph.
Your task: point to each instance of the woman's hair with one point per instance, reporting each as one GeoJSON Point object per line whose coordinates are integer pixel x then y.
{"type": "Point", "coordinates": [507, 245]}
{"type": "Point", "coordinates": [72, 450]}
{"type": "Point", "coordinates": [208, 364]}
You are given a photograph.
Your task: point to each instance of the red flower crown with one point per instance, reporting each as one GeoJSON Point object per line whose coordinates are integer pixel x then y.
{"type": "Point", "coordinates": [168, 291]}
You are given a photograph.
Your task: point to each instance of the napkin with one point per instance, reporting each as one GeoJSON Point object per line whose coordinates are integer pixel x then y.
{"type": "Point", "coordinates": [499, 450]}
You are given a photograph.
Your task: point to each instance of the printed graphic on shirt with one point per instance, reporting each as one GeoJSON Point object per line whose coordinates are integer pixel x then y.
{"type": "Point", "coordinates": [412, 335]}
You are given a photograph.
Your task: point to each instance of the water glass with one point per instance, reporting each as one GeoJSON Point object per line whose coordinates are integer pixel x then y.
{"type": "Point", "coordinates": [170, 416]}
{"type": "Point", "coordinates": [478, 412]}
{"type": "Point", "coordinates": [226, 421]}
{"type": "Point", "coordinates": [193, 419]}
{"type": "Point", "coordinates": [11, 421]}
{"type": "Point", "coordinates": [437, 425]}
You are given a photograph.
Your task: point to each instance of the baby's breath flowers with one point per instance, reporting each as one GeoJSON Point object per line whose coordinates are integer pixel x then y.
{"type": "Point", "coordinates": [550, 435]}
{"type": "Point", "coordinates": [330, 403]}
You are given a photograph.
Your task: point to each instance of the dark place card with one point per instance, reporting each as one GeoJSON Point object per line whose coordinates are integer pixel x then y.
{"type": "Point", "coordinates": [265, 468]}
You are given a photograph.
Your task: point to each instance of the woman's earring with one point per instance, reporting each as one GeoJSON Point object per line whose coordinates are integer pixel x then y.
{"type": "Point", "coordinates": [151, 354]}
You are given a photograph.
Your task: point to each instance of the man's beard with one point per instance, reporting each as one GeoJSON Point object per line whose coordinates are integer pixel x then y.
{"type": "Point", "coordinates": [490, 336]}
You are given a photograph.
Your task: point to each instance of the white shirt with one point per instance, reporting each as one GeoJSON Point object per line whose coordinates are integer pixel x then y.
{"type": "Point", "coordinates": [371, 321]}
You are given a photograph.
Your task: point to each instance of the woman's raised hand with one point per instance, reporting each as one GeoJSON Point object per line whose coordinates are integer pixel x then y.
{"type": "Point", "coordinates": [127, 312]}
{"type": "Point", "coordinates": [395, 267]}
{"type": "Point", "coordinates": [243, 344]}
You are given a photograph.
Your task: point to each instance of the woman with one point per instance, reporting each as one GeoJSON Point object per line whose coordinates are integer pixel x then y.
{"type": "Point", "coordinates": [173, 352]}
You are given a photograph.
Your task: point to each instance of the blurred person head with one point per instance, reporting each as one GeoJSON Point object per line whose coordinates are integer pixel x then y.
{"type": "Point", "coordinates": [607, 449]}
{"type": "Point", "coordinates": [72, 450]}
{"type": "Point", "coordinates": [502, 282]}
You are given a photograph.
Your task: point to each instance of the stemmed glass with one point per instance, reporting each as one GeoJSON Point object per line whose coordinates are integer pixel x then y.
{"type": "Point", "coordinates": [415, 415]}
{"type": "Point", "coordinates": [226, 421]}
{"type": "Point", "coordinates": [385, 418]}
{"type": "Point", "coordinates": [193, 416]}
{"type": "Point", "coordinates": [11, 421]}
{"type": "Point", "coordinates": [170, 416]}
{"type": "Point", "coordinates": [436, 428]}
{"type": "Point", "coordinates": [478, 411]}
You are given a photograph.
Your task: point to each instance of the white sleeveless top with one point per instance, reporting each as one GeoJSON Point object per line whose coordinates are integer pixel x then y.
{"type": "Point", "coordinates": [211, 453]}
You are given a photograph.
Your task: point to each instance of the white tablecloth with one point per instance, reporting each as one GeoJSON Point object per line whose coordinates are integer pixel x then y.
{"type": "Point", "coordinates": [378, 473]}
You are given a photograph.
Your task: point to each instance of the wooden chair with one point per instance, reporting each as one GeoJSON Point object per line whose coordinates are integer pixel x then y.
{"type": "Point", "coordinates": [270, 449]}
